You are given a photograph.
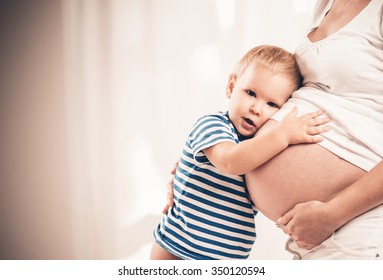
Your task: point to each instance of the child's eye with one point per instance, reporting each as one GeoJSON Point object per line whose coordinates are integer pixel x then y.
{"type": "Point", "coordinates": [251, 93]}
{"type": "Point", "coordinates": [272, 104]}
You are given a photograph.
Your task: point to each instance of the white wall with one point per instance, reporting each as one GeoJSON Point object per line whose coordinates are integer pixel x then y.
{"type": "Point", "coordinates": [98, 109]}
{"type": "Point", "coordinates": [35, 203]}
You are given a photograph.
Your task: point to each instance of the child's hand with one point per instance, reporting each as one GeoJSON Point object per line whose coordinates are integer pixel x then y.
{"type": "Point", "coordinates": [304, 129]}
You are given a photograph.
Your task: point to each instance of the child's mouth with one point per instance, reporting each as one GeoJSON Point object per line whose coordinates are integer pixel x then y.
{"type": "Point", "coordinates": [250, 122]}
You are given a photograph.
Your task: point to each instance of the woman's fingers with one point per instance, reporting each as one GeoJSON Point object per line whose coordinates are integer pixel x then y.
{"type": "Point", "coordinates": [173, 171]}
{"type": "Point", "coordinates": [284, 220]}
{"type": "Point", "coordinates": [170, 195]}
{"type": "Point", "coordinates": [165, 209]}
{"type": "Point", "coordinates": [170, 192]}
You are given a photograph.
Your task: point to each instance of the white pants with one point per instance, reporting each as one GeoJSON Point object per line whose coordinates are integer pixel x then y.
{"type": "Point", "coordinates": [361, 238]}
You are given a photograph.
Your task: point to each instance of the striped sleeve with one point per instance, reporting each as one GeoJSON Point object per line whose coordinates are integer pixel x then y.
{"type": "Point", "coordinates": [208, 131]}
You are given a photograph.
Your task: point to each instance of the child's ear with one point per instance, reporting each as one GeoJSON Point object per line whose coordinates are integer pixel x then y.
{"type": "Point", "coordinates": [230, 85]}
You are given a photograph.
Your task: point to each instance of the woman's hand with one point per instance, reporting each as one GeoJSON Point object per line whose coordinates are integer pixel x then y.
{"type": "Point", "coordinates": [309, 223]}
{"type": "Point", "coordinates": [170, 190]}
{"type": "Point", "coordinates": [312, 222]}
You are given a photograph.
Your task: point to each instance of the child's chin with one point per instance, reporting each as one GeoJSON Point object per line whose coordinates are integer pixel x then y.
{"type": "Point", "coordinates": [247, 134]}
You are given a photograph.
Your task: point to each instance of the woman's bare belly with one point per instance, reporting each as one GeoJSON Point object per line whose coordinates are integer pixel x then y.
{"type": "Point", "coordinates": [300, 173]}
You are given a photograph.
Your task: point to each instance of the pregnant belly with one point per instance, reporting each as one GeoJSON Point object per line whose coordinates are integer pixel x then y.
{"type": "Point", "coordinates": [300, 173]}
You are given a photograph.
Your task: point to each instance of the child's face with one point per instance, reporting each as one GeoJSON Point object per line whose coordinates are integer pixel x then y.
{"type": "Point", "coordinates": [255, 96]}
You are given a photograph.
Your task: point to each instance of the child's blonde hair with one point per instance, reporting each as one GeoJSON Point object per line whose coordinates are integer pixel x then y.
{"type": "Point", "coordinates": [276, 59]}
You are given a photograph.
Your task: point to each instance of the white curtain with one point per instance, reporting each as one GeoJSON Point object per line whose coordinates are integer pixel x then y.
{"type": "Point", "coordinates": [138, 74]}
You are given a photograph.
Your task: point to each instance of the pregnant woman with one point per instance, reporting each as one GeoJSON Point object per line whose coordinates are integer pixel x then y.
{"type": "Point", "coordinates": [341, 60]}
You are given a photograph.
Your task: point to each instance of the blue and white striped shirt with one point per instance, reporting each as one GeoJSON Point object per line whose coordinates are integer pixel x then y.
{"type": "Point", "coordinates": [213, 217]}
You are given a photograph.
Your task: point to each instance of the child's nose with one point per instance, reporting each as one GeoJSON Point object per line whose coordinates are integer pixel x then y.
{"type": "Point", "coordinates": [256, 108]}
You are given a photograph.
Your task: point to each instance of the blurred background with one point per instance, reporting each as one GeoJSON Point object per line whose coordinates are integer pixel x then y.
{"type": "Point", "coordinates": [96, 99]}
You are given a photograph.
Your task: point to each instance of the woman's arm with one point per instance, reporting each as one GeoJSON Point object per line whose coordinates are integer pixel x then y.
{"type": "Point", "coordinates": [310, 223]}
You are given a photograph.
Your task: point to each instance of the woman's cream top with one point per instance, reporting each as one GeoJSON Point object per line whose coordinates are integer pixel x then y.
{"type": "Point", "coordinates": [343, 75]}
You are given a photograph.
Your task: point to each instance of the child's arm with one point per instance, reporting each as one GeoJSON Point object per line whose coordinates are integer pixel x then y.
{"type": "Point", "coordinates": [249, 154]}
